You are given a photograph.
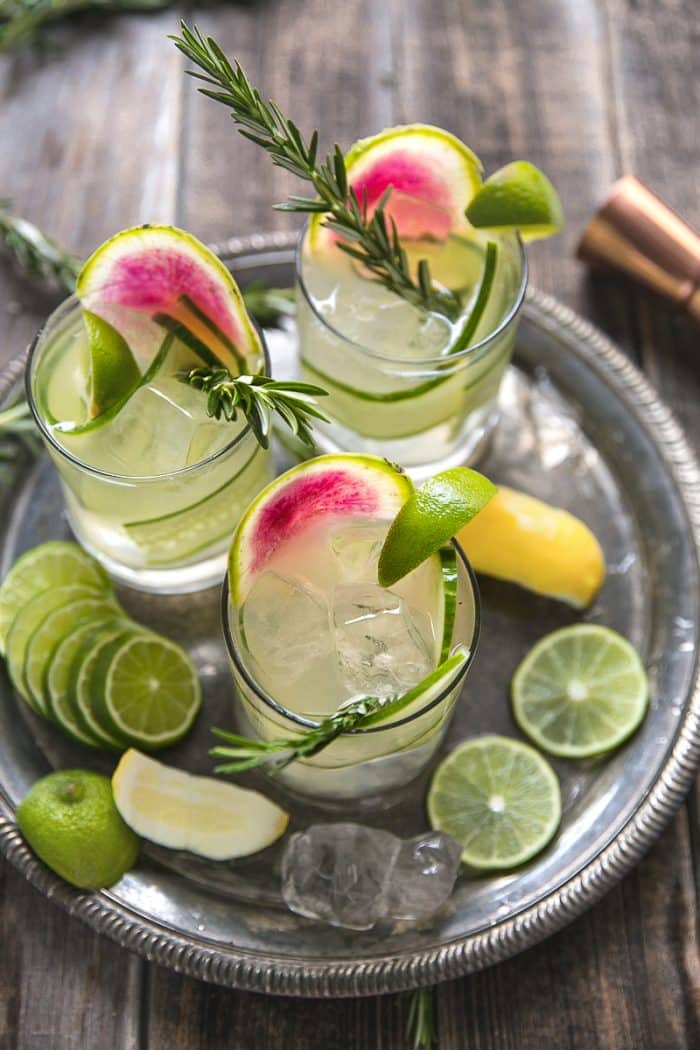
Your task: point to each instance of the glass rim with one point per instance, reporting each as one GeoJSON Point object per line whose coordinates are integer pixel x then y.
{"type": "Point", "coordinates": [468, 351]}
{"type": "Point", "coordinates": [66, 305]}
{"type": "Point", "coordinates": [309, 723]}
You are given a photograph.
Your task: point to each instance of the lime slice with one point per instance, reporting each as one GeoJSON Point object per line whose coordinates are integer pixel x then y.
{"type": "Point", "coordinates": [47, 636]}
{"type": "Point", "coordinates": [114, 374]}
{"type": "Point", "coordinates": [499, 798]}
{"type": "Point", "coordinates": [60, 673]}
{"type": "Point", "coordinates": [580, 691]}
{"type": "Point", "coordinates": [42, 568]}
{"type": "Point", "coordinates": [429, 518]}
{"type": "Point", "coordinates": [81, 685]}
{"type": "Point", "coordinates": [517, 197]}
{"type": "Point", "coordinates": [26, 622]}
{"type": "Point", "coordinates": [146, 690]}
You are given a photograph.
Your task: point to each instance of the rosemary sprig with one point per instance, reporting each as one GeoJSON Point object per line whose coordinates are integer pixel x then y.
{"type": "Point", "coordinates": [420, 1028]}
{"type": "Point", "coordinates": [35, 254]}
{"type": "Point", "coordinates": [20, 19]}
{"type": "Point", "coordinates": [248, 754]}
{"type": "Point", "coordinates": [257, 397]}
{"type": "Point", "coordinates": [374, 240]}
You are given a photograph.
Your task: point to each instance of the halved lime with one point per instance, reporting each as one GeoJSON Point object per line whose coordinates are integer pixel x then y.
{"type": "Point", "coordinates": [50, 565]}
{"type": "Point", "coordinates": [60, 674]}
{"type": "Point", "coordinates": [81, 685]}
{"type": "Point", "coordinates": [429, 518]}
{"type": "Point", "coordinates": [499, 798]}
{"type": "Point", "coordinates": [50, 633]}
{"type": "Point", "coordinates": [146, 690]}
{"type": "Point", "coordinates": [580, 691]}
{"type": "Point", "coordinates": [517, 197]}
{"type": "Point", "coordinates": [29, 619]}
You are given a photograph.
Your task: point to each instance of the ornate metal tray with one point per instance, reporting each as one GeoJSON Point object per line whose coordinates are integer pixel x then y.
{"type": "Point", "coordinates": [582, 428]}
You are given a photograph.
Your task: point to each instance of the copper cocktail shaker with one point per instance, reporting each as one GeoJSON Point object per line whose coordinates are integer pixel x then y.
{"type": "Point", "coordinates": [635, 231]}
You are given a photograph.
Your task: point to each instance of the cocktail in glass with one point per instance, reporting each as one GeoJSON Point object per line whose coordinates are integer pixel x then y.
{"type": "Point", "coordinates": [156, 491]}
{"type": "Point", "coordinates": [316, 631]}
{"type": "Point", "coordinates": [397, 386]}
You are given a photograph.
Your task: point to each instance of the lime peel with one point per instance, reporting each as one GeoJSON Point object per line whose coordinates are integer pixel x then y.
{"type": "Point", "coordinates": [517, 197]}
{"type": "Point", "coordinates": [429, 518]}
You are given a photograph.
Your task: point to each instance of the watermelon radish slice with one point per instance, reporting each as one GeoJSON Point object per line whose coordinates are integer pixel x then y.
{"type": "Point", "coordinates": [432, 174]}
{"type": "Point", "coordinates": [151, 280]}
{"type": "Point", "coordinates": [328, 486]}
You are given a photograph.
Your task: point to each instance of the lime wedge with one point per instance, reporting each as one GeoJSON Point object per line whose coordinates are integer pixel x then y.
{"type": "Point", "coordinates": [517, 197]}
{"type": "Point", "coordinates": [47, 636]}
{"type": "Point", "coordinates": [146, 691]}
{"type": "Point", "coordinates": [28, 620]}
{"type": "Point", "coordinates": [60, 673]}
{"type": "Point", "coordinates": [580, 691]}
{"type": "Point", "coordinates": [429, 518]}
{"type": "Point", "coordinates": [114, 373]}
{"type": "Point", "coordinates": [43, 568]}
{"type": "Point", "coordinates": [499, 798]}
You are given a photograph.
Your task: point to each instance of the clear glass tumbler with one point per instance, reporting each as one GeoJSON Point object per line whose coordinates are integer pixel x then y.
{"type": "Point", "coordinates": [365, 764]}
{"type": "Point", "coordinates": [424, 412]}
{"type": "Point", "coordinates": [166, 531]}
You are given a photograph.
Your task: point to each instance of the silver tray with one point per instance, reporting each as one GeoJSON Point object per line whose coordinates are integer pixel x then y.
{"type": "Point", "coordinates": [582, 428]}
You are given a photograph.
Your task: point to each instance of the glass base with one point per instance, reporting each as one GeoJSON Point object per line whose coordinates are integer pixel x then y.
{"type": "Point", "coordinates": [433, 451]}
{"type": "Point", "coordinates": [166, 579]}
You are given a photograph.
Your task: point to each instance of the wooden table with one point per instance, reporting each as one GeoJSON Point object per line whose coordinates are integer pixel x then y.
{"type": "Point", "coordinates": [105, 132]}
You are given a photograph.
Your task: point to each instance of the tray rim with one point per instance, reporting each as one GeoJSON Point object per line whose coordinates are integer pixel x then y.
{"type": "Point", "coordinates": [281, 976]}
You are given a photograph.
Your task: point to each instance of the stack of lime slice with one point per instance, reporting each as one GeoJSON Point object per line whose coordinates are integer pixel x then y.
{"type": "Point", "coordinates": [76, 658]}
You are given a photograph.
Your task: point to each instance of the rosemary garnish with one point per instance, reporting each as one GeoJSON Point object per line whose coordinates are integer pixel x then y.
{"type": "Point", "coordinates": [257, 397]}
{"type": "Point", "coordinates": [20, 19]}
{"type": "Point", "coordinates": [420, 1028]}
{"type": "Point", "coordinates": [373, 240]}
{"type": "Point", "coordinates": [35, 254]}
{"type": "Point", "coordinates": [277, 754]}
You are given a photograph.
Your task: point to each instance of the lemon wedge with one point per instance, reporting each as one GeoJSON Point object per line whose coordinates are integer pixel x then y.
{"type": "Point", "coordinates": [525, 541]}
{"type": "Point", "coordinates": [181, 811]}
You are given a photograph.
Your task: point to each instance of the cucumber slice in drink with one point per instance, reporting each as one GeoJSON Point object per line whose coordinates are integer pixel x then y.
{"type": "Point", "coordinates": [183, 533]}
{"type": "Point", "coordinates": [62, 671]}
{"type": "Point", "coordinates": [29, 619]}
{"type": "Point", "coordinates": [50, 565]}
{"type": "Point", "coordinates": [448, 573]}
{"type": "Point", "coordinates": [49, 635]}
{"type": "Point", "coordinates": [146, 690]}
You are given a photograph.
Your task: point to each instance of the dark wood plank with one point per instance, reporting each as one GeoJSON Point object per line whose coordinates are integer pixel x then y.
{"type": "Point", "coordinates": [61, 986]}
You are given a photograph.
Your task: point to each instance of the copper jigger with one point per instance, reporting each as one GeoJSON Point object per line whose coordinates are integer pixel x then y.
{"type": "Point", "coordinates": [636, 232]}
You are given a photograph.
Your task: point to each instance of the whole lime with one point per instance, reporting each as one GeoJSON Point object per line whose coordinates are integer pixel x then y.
{"type": "Point", "coordinates": [70, 820]}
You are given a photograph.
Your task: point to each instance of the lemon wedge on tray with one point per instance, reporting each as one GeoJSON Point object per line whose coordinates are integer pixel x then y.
{"type": "Point", "coordinates": [181, 811]}
{"type": "Point", "coordinates": [543, 548]}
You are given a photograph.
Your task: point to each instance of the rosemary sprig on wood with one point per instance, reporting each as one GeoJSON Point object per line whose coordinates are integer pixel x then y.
{"type": "Point", "coordinates": [20, 19]}
{"type": "Point", "coordinates": [35, 254]}
{"type": "Point", "coordinates": [248, 754]}
{"type": "Point", "coordinates": [372, 240]}
{"type": "Point", "coordinates": [39, 256]}
{"type": "Point", "coordinates": [421, 1019]}
{"type": "Point", "coordinates": [257, 397]}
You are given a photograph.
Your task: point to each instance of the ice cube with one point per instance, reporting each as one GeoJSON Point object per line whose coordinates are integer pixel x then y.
{"type": "Point", "coordinates": [356, 552]}
{"type": "Point", "coordinates": [424, 873]}
{"type": "Point", "coordinates": [379, 648]}
{"type": "Point", "coordinates": [286, 629]}
{"type": "Point", "coordinates": [354, 876]}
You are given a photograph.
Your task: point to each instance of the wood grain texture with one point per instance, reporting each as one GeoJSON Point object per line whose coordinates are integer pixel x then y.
{"type": "Point", "coordinates": [588, 89]}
